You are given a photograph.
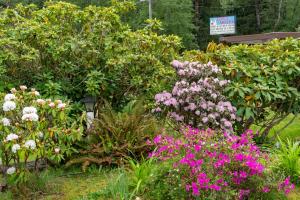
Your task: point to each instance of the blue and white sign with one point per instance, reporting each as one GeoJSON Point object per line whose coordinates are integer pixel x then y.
{"type": "Point", "coordinates": [222, 25]}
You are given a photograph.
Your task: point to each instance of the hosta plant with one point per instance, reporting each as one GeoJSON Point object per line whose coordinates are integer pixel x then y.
{"type": "Point", "coordinates": [211, 165]}
{"type": "Point", "coordinates": [33, 129]}
{"type": "Point", "coordinates": [196, 98]}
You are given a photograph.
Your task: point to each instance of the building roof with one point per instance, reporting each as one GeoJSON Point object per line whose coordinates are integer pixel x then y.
{"type": "Point", "coordinates": [258, 38]}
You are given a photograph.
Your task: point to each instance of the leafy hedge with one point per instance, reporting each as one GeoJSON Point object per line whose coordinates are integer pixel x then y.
{"type": "Point", "coordinates": [264, 77]}
{"type": "Point", "coordinates": [64, 49]}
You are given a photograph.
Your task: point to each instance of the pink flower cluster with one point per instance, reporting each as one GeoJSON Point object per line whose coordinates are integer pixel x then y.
{"type": "Point", "coordinates": [210, 163]}
{"type": "Point", "coordinates": [286, 186]}
{"type": "Point", "coordinates": [196, 99]}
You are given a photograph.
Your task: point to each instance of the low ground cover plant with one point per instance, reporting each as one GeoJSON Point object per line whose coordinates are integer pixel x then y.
{"type": "Point", "coordinates": [214, 166]}
{"type": "Point", "coordinates": [34, 129]}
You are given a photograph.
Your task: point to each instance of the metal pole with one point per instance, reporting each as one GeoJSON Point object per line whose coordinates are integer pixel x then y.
{"type": "Point", "coordinates": [150, 9]}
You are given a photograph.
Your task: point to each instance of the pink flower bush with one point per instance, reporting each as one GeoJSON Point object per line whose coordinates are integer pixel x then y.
{"type": "Point", "coordinates": [210, 164]}
{"type": "Point", "coordinates": [196, 99]}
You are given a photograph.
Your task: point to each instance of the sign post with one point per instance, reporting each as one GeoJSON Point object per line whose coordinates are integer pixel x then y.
{"type": "Point", "coordinates": [222, 25]}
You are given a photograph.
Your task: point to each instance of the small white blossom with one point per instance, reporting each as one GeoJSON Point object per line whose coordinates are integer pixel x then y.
{"type": "Point", "coordinates": [13, 90]}
{"type": "Point", "coordinates": [5, 122]}
{"type": "Point", "coordinates": [23, 87]}
{"type": "Point", "coordinates": [57, 150]}
{"type": "Point", "coordinates": [36, 93]}
{"type": "Point", "coordinates": [12, 136]}
{"type": "Point", "coordinates": [41, 101]}
{"type": "Point", "coordinates": [30, 144]}
{"type": "Point", "coordinates": [11, 170]}
{"type": "Point", "coordinates": [52, 105]}
{"type": "Point", "coordinates": [29, 110]}
{"type": "Point", "coordinates": [61, 105]}
{"type": "Point", "coordinates": [58, 101]}
{"type": "Point", "coordinates": [9, 106]}
{"type": "Point", "coordinates": [15, 148]}
{"type": "Point", "coordinates": [40, 134]}
{"type": "Point", "coordinates": [33, 117]}
{"type": "Point", "coordinates": [9, 97]}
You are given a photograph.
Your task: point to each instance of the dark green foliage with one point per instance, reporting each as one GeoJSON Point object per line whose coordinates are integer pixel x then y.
{"type": "Point", "coordinates": [263, 78]}
{"type": "Point", "coordinates": [62, 49]}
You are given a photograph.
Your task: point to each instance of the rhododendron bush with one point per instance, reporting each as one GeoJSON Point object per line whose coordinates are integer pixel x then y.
{"type": "Point", "coordinates": [196, 99]}
{"type": "Point", "coordinates": [211, 165]}
{"type": "Point", "coordinates": [33, 129]}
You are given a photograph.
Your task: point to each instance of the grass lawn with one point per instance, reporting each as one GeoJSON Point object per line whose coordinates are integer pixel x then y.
{"type": "Point", "coordinates": [60, 185]}
{"type": "Point", "coordinates": [292, 131]}
{"type": "Point", "coordinates": [77, 186]}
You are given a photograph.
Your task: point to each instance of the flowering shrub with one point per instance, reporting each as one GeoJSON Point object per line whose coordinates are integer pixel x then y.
{"type": "Point", "coordinates": [196, 99]}
{"type": "Point", "coordinates": [211, 165]}
{"type": "Point", "coordinates": [33, 129]}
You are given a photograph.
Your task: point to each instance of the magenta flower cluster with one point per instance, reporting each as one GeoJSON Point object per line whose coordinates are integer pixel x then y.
{"type": "Point", "coordinates": [196, 99]}
{"type": "Point", "coordinates": [210, 163]}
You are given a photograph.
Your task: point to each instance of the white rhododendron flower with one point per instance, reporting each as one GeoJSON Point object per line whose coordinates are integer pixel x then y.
{"type": "Point", "coordinates": [11, 170]}
{"type": "Point", "coordinates": [13, 90]}
{"type": "Point", "coordinates": [5, 122]}
{"type": "Point", "coordinates": [9, 106]}
{"type": "Point", "coordinates": [33, 117]}
{"type": "Point", "coordinates": [61, 105]}
{"type": "Point", "coordinates": [9, 97]}
{"type": "Point", "coordinates": [36, 93]}
{"type": "Point", "coordinates": [30, 144]}
{"type": "Point", "coordinates": [15, 148]}
{"type": "Point", "coordinates": [58, 101]}
{"type": "Point", "coordinates": [52, 105]}
{"type": "Point", "coordinates": [40, 134]}
{"type": "Point", "coordinates": [41, 101]}
{"type": "Point", "coordinates": [57, 150]}
{"type": "Point", "coordinates": [12, 136]}
{"type": "Point", "coordinates": [23, 87]}
{"type": "Point", "coordinates": [29, 110]}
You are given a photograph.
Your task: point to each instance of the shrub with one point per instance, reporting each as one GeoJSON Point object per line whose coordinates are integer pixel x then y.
{"type": "Point", "coordinates": [196, 99]}
{"type": "Point", "coordinates": [288, 159]}
{"type": "Point", "coordinates": [262, 78]}
{"type": "Point", "coordinates": [117, 136]}
{"type": "Point", "coordinates": [77, 51]}
{"type": "Point", "coordinates": [34, 129]}
{"type": "Point", "coordinates": [211, 166]}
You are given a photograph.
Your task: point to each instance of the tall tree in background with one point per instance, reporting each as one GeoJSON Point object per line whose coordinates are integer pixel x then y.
{"type": "Point", "coordinates": [177, 17]}
{"type": "Point", "coordinates": [190, 18]}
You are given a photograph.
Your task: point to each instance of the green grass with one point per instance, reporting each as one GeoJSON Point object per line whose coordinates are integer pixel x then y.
{"type": "Point", "coordinates": [65, 185]}
{"type": "Point", "coordinates": [292, 131]}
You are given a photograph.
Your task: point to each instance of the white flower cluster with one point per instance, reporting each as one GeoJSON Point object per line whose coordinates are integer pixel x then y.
{"type": "Point", "coordinates": [30, 114]}
{"type": "Point", "coordinates": [9, 105]}
{"type": "Point", "coordinates": [5, 121]}
{"type": "Point", "coordinates": [11, 137]}
{"type": "Point", "coordinates": [30, 144]}
{"type": "Point", "coordinates": [11, 170]}
{"type": "Point", "coordinates": [61, 105]}
{"type": "Point", "coordinates": [15, 148]}
{"type": "Point", "coordinates": [41, 101]}
{"type": "Point", "coordinates": [9, 97]}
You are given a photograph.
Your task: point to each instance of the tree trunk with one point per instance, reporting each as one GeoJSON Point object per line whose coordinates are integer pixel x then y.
{"type": "Point", "coordinates": [197, 10]}
{"type": "Point", "coordinates": [279, 15]}
{"type": "Point", "coordinates": [257, 13]}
